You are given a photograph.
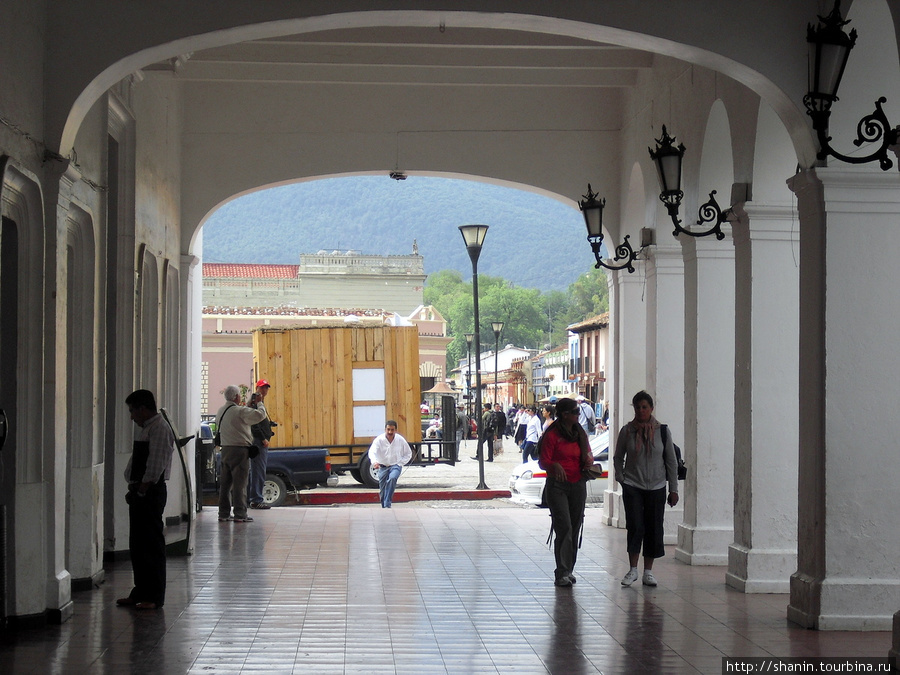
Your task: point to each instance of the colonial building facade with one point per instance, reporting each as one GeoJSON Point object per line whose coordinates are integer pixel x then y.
{"type": "Point", "coordinates": [771, 353]}
{"type": "Point", "coordinates": [344, 279]}
{"type": "Point", "coordinates": [588, 347]}
{"type": "Point", "coordinates": [323, 289]}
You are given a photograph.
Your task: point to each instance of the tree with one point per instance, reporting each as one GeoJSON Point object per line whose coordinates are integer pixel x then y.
{"type": "Point", "coordinates": [530, 318]}
{"type": "Point", "coordinates": [588, 296]}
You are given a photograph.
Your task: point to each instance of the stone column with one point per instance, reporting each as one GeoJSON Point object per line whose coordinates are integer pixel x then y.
{"type": "Point", "coordinates": [848, 549]}
{"type": "Point", "coordinates": [58, 183]}
{"type": "Point", "coordinates": [708, 449]}
{"type": "Point", "coordinates": [895, 644]}
{"type": "Point", "coordinates": [665, 350]}
{"type": "Point", "coordinates": [629, 330]}
{"type": "Point", "coordinates": [767, 277]}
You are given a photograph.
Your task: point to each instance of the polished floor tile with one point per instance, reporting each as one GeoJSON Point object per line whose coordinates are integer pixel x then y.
{"type": "Point", "coordinates": [420, 590]}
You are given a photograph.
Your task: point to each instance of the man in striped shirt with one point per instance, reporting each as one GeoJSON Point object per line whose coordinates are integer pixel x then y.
{"type": "Point", "coordinates": [146, 473]}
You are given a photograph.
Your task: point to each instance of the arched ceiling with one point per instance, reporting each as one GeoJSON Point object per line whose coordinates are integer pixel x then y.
{"type": "Point", "coordinates": [375, 99]}
{"type": "Point", "coordinates": [420, 56]}
{"type": "Point", "coordinates": [114, 41]}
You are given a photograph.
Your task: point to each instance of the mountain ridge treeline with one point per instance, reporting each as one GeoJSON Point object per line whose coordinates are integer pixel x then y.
{"type": "Point", "coordinates": [533, 241]}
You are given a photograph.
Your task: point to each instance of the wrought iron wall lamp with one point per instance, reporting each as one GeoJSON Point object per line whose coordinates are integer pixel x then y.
{"type": "Point", "coordinates": [668, 159]}
{"type": "Point", "coordinates": [592, 210]}
{"type": "Point", "coordinates": [829, 49]}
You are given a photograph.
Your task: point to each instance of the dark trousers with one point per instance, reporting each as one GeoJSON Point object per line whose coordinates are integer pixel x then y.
{"type": "Point", "coordinates": [147, 545]}
{"type": "Point", "coordinates": [644, 513]}
{"type": "Point", "coordinates": [487, 448]}
{"type": "Point", "coordinates": [566, 501]}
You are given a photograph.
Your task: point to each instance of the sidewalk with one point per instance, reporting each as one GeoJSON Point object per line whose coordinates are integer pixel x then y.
{"type": "Point", "coordinates": [428, 589]}
{"type": "Point", "coordinates": [436, 483]}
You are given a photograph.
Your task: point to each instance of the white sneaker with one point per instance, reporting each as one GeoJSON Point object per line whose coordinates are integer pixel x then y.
{"type": "Point", "coordinates": [629, 578]}
{"type": "Point", "coordinates": [649, 579]}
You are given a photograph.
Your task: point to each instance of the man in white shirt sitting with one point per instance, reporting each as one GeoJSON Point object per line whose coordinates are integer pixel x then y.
{"type": "Point", "coordinates": [388, 453]}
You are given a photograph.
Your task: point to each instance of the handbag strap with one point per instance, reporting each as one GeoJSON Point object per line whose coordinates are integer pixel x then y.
{"type": "Point", "coordinates": [222, 418]}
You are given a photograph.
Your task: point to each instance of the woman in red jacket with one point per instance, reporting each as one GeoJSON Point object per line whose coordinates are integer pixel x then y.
{"type": "Point", "coordinates": [564, 454]}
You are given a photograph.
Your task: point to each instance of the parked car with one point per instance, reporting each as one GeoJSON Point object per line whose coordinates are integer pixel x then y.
{"type": "Point", "coordinates": [287, 472]}
{"type": "Point", "coordinates": [526, 484]}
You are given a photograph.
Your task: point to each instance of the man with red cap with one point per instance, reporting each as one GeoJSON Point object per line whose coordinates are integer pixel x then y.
{"type": "Point", "coordinates": [262, 432]}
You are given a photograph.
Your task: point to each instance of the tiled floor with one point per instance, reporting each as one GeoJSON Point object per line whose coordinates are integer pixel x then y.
{"type": "Point", "coordinates": [419, 590]}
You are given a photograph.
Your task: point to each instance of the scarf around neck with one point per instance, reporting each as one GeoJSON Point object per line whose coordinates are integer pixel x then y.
{"type": "Point", "coordinates": [643, 433]}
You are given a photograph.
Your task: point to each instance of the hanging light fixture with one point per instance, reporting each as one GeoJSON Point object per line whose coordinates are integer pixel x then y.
{"type": "Point", "coordinates": [592, 210]}
{"type": "Point", "coordinates": [668, 159]}
{"type": "Point", "coordinates": [829, 49]}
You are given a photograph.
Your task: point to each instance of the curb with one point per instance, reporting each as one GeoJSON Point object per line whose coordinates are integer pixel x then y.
{"type": "Point", "coordinates": [315, 498]}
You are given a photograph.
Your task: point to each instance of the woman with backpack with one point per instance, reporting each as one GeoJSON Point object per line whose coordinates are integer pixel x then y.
{"type": "Point", "coordinates": [645, 463]}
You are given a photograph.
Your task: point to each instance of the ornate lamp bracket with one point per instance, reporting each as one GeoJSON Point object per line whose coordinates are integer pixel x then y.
{"type": "Point", "coordinates": [829, 50]}
{"type": "Point", "coordinates": [624, 251]}
{"type": "Point", "coordinates": [872, 128]}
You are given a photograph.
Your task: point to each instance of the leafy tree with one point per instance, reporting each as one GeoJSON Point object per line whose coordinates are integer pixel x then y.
{"type": "Point", "coordinates": [588, 296]}
{"type": "Point", "coordinates": [530, 318]}
{"type": "Point", "coordinates": [557, 311]}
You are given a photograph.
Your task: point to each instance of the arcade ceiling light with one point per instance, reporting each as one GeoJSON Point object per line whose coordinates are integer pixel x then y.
{"type": "Point", "coordinates": [829, 49]}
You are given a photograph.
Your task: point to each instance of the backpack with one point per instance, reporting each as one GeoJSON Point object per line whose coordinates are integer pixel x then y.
{"type": "Point", "coordinates": [682, 469]}
{"type": "Point", "coordinates": [489, 425]}
{"type": "Point", "coordinates": [592, 427]}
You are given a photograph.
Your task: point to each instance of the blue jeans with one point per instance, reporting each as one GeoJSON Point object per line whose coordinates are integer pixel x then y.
{"type": "Point", "coordinates": [529, 450]}
{"type": "Point", "coordinates": [387, 483]}
{"type": "Point", "coordinates": [257, 474]}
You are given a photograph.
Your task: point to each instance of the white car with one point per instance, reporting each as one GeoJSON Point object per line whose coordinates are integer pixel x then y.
{"type": "Point", "coordinates": [526, 484]}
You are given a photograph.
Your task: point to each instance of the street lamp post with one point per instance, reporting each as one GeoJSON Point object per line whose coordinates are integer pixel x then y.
{"type": "Point", "coordinates": [473, 235]}
{"type": "Point", "coordinates": [469, 338]}
{"type": "Point", "coordinates": [497, 326]}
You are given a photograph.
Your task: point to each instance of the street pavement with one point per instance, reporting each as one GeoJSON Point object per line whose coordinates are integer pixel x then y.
{"type": "Point", "coordinates": [464, 475]}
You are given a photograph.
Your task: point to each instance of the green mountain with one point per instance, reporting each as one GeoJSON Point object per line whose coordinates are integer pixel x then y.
{"type": "Point", "coordinates": [533, 241]}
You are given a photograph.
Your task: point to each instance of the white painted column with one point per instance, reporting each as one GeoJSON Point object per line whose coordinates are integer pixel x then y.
{"type": "Point", "coordinates": [58, 595]}
{"type": "Point", "coordinates": [628, 321]}
{"type": "Point", "coordinates": [192, 302]}
{"type": "Point", "coordinates": [766, 446]}
{"type": "Point", "coordinates": [708, 448]}
{"type": "Point", "coordinates": [612, 506]}
{"type": "Point", "coordinates": [895, 642]}
{"type": "Point", "coordinates": [848, 554]}
{"type": "Point", "coordinates": [665, 351]}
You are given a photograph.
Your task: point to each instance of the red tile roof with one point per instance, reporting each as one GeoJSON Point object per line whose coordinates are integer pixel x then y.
{"type": "Point", "coordinates": [599, 321]}
{"type": "Point", "coordinates": [224, 310]}
{"type": "Point", "coordinates": [245, 271]}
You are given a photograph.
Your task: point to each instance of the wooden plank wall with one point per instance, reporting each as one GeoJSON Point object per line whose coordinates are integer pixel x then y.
{"type": "Point", "coordinates": [311, 373]}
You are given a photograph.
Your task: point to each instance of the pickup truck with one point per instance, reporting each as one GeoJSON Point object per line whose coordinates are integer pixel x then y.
{"type": "Point", "coordinates": [292, 470]}
{"type": "Point", "coordinates": [287, 470]}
